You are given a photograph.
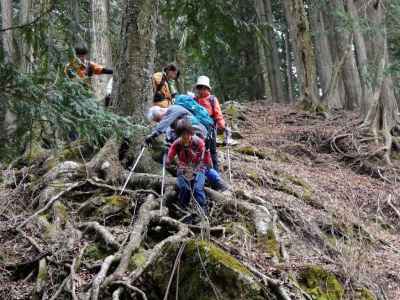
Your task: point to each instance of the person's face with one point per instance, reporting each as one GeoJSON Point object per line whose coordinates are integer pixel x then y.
{"type": "Point", "coordinates": [186, 136]}
{"type": "Point", "coordinates": [172, 74]}
{"type": "Point", "coordinates": [202, 90]}
{"type": "Point", "coordinates": [82, 57]}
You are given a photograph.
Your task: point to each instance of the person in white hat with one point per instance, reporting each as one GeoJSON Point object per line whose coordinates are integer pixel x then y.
{"type": "Point", "coordinates": [211, 103]}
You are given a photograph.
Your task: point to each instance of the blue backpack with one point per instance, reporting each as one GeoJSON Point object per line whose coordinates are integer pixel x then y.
{"type": "Point", "coordinates": [196, 109]}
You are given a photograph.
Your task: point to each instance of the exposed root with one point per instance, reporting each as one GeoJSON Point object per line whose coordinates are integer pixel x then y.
{"type": "Point", "coordinates": [106, 236]}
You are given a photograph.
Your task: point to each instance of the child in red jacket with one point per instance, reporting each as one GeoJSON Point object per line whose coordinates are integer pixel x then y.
{"type": "Point", "coordinates": [193, 160]}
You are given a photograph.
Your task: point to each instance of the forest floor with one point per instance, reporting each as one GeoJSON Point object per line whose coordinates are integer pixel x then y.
{"type": "Point", "coordinates": [355, 211]}
{"type": "Point", "coordinates": [330, 213]}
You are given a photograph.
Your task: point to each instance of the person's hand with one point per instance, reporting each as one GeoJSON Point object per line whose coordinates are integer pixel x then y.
{"type": "Point", "coordinates": [227, 136]}
{"type": "Point", "coordinates": [220, 130]}
{"type": "Point", "coordinates": [149, 139]}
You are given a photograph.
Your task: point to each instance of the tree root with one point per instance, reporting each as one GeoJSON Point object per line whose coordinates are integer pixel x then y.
{"type": "Point", "coordinates": [51, 202]}
{"type": "Point", "coordinates": [107, 237]}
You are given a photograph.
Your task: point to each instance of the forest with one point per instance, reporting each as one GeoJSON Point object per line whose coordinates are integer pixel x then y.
{"type": "Point", "coordinates": [304, 147]}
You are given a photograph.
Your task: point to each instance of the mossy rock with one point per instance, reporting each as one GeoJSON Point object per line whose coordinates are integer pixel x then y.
{"type": "Point", "coordinates": [321, 284]}
{"type": "Point", "coordinates": [100, 207]}
{"type": "Point", "coordinates": [206, 273]}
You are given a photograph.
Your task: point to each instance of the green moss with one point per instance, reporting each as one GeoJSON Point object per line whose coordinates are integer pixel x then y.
{"type": "Point", "coordinates": [216, 255]}
{"type": "Point", "coordinates": [287, 183]}
{"type": "Point", "coordinates": [312, 107]}
{"type": "Point", "coordinates": [42, 273]}
{"type": "Point", "coordinates": [116, 200]}
{"type": "Point", "coordinates": [364, 294]}
{"type": "Point", "coordinates": [95, 252]}
{"type": "Point", "coordinates": [249, 150]}
{"type": "Point", "coordinates": [61, 211]}
{"type": "Point", "coordinates": [254, 177]}
{"type": "Point", "coordinates": [320, 284]}
{"type": "Point", "coordinates": [270, 243]}
{"type": "Point", "coordinates": [137, 260]}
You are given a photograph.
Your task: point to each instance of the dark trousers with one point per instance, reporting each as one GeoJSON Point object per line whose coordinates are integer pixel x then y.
{"type": "Point", "coordinates": [211, 144]}
{"type": "Point", "coordinates": [196, 185]}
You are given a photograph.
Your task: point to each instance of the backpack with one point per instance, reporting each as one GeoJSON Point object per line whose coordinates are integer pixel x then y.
{"type": "Point", "coordinates": [196, 109]}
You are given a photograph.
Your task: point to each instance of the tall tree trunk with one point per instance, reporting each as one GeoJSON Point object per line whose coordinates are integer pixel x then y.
{"type": "Point", "coordinates": [293, 33]}
{"type": "Point", "coordinates": [77, 30]}
{"type": "Point", "coordinates": [26, 16]}
{"type": "Point", "coordinates": [100, 43]}
{"type": "Point", "coordinates": [132, 90]}
{"type": "Point", "coordinates": [265, 16]}
{"type": "Point", "coordinates": [7, 36]}
{"type": "Point", "coordinates": [305, 62]}
{"type": "Point", "coordinates": [261, 49]}
{"type": "Point", "coordinates": [324, 60]}
{"type": "Point", "coordinates": [350, 75]}
{"type": "Point", "coordinates": [289, 69]}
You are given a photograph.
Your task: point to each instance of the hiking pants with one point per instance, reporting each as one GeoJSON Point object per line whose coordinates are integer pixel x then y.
{"type": "Point", "coordinates": [211, 144]}
{"type": "Point", "coordinates": [196, 185]}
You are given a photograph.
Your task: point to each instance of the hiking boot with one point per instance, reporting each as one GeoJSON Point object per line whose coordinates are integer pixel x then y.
{"type": "Point", "coordinates": [221, 186]}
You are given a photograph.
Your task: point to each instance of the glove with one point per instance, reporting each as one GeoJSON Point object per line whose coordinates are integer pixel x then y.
{"type": "Point", "coordinates": [149, 140]}
{"type": "Point", "coordinates": [220, 130]}
{"type": "Point", "coordinates": [107, 71]}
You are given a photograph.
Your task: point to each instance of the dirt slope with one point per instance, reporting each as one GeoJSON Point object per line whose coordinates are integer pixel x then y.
{"type": "Point", "coordinates": [300, 217]}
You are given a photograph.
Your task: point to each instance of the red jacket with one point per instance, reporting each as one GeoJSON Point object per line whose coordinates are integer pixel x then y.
{"type": "Point", "coordinates": [193, 156]}
{"type": "Point", "coordinates": [213, 110]}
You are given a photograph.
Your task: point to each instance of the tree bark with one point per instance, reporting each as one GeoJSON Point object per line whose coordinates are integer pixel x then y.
{"type": "Point", "coordinates": [324, 60]}
{"type": "Point", "coordinates": [289, 69]}
{"type": "Point", "coordinates": [100, 43]}
{"type": "Point", "coordinates": [350, 73]}
{"type": "Point", "coordinates": [132, 91]}
{"type": "Point", "coordinates": [7, 36]}
{"type": "Point", "coordinates": [26, 16]}
{"type": "Point", "coordinates": [303, 49]}
{"type": "Point", "coordinates": [265, 19]}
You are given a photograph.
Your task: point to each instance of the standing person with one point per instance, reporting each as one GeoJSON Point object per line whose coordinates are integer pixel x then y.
{"type": "Point", "coordinates": [192, 163]}
{"type": "Point", "coordinates": [211, 103]}
{"type": "Point", "coordinates": [79, 66]}
{"type": "Point", "coordinates": [164, 86]}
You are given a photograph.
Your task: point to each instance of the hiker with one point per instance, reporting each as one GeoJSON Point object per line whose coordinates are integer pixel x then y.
{"type": "Point", "coordinates": [164, 86]}
{"type": "Point", "coordinates": [167, 119]}
{"type": "Point", "coordinates": [80, 67]}
{"type": "Point", "coordinates": [211, 103]}
{"type": "Point", "coordinates": [192, 163]}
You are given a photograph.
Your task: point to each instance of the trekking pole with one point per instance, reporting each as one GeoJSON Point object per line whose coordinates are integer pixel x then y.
{"type": "Point", "coordinates": [227, 140]}
{"type": "Point", "coordinates": [133, 169]}
{"type": "Point", "coordinates": [163, 182]}
{"type": "Point", "coordinates": [229, 165]}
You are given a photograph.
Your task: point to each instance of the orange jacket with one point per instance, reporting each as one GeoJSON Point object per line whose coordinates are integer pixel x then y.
{"type": "Point", "coordinates": [164, 89]}
{"type": "Point", "coordinates": [213, 110]}
{"type": "Point", "coordinates": [75, 67]}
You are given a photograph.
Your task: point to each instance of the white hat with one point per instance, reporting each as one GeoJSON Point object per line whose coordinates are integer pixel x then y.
{"type": "Point", "coordinates": [203, 80]}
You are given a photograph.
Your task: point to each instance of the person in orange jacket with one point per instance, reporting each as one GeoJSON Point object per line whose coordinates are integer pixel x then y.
{"type": "Point", "coordinates": [211, 103]}
{"type": "Point", "coordinates": [164, 86]}
{"type": "Point", "coordinates": [79, 66]}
